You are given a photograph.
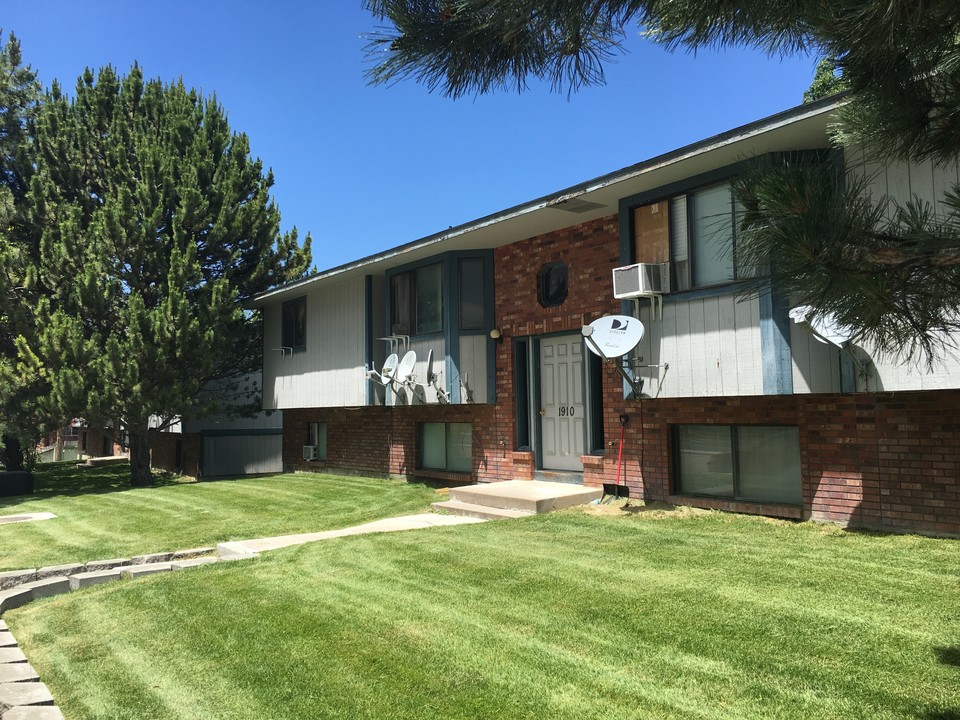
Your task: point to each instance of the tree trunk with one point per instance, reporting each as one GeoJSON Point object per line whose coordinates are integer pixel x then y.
{"type": "Point", "coordinates": [140, 474]}
{"type": "Point", "coordinates": [58, 446]}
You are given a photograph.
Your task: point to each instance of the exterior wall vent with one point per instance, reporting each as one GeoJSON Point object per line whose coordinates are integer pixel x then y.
{"type": "Point", "coordinates": [641, 280]}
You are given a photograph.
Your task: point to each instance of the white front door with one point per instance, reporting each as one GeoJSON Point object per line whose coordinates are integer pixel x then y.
{"type": "Point", "coordinates": [561, 402]}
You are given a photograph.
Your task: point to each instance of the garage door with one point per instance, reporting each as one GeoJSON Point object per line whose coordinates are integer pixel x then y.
{"type": "Point", "coordinates": [242, 454]}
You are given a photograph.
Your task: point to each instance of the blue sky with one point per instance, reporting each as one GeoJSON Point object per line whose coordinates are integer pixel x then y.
{"type": "Point", "coordinates": [365, 168]}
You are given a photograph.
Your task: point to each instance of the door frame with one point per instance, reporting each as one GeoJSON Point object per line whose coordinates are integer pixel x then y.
{"type": "Point", "coordinates": [535, 395]}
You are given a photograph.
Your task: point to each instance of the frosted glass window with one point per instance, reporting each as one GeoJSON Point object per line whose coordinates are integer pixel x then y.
{"type": "Point", "coordinates": [770, 464]}
{"type": "Point", "coordinates": [711, 235]}
{"type": "Point", "coordinates": [447, 446]}
{"type": "Point", "coordinates": [743, 462]}
{"type": "Point", "coordinates": [434, 446]}
{"type": "Point", "coordinates": [706, 460]}
{"type": "Point", "coordinates": [459, 447]}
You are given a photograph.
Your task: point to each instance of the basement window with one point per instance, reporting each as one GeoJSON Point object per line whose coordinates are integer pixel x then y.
{"type": "Point", "coordinates": [739, 462]}
{"type": "Point", "coordinates": [446, 446]}
{"type": "Point", "coordinates": [317, 438]}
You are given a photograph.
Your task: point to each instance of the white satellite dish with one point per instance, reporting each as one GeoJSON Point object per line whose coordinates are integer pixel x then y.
{"type": "Point", "coordinates": [390, 366]}
{"type": "Point", "coordinates": [433, 380]}
{"type": "Point", "coordinates": [823, 326]}
{"type": "Point", "coordinates": [405, 369]}
{"type": "Point", "coordinates": [613, 336]}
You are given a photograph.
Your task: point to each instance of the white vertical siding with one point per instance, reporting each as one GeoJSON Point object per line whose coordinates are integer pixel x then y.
{"type": "Point", "coordinates": [712, 347]}
{"type": "Point", "coordinates": [901, 181]}
{"type": "Point", "coordinates": [473, 367]}
{"type": "Point", "coordinates": [816, 366]}
{"type": "Point", "coordinates": [330, 372]}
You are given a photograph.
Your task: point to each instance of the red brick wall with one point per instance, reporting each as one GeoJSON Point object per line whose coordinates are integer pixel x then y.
{"type": "Point", "coordinates": [163, 452]}
{"type": "Point", "coordinates": [90, 442]}
{"type": "Point", "coordinates": [889, 461]}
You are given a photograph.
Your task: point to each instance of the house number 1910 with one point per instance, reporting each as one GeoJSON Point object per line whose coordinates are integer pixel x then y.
{"type": "Point", "coordinates": [566, 411]}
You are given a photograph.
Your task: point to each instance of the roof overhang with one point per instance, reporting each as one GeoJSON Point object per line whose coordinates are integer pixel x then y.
{"type": "Point", "coordinates": [806, 127]}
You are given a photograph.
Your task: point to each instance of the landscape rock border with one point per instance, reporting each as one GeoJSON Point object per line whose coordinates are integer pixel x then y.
{"type": "Point", "coordinates": [23, 696]}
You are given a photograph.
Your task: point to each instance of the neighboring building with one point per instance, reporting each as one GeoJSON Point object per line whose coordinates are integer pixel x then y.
{"type": "Point", "coordinates": [225, 443]}
{"type": "Point", "coordinates": [741, 408]}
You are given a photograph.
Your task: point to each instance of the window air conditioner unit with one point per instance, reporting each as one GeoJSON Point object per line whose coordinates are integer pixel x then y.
{"type": "Point", "coordinates": [309, 452]}
{"type": "Point", "coordinates": [640, 280]}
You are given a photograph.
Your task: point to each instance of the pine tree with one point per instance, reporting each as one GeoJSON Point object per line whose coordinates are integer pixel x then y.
{"type": "Point", "coordinates": [900, 58]}
{"type": "Point", "coordinates": [155, 225]}
{"type": "Point", "coordinates": [826, 81]}
{"type": "Point", "coordinates": [19, 93]}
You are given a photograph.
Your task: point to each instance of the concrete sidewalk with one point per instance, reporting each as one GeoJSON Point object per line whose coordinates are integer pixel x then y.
{"type": "Point", "coordinates": [240, 549]}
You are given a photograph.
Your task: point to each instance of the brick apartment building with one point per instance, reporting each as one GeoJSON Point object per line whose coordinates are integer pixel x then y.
{"type": "Point", "coordinates": [740, 408]}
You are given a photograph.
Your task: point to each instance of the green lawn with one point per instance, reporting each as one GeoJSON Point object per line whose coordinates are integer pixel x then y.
{"type": "Point", "coordinates": [100, 516]}
{"type": "Point", "coordinates": [572, 615]}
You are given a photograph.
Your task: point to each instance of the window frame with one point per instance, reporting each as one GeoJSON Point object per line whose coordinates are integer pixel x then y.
{"type": "Point", "coordinates": [411, 310]}
{"type": "Point", "coordinates": [689, 248]}
{"type": "Point", "coordinates": [542, 277]}
{"type": "Point", "coordinates": [421, 432]}
{"type": "Point", "coordinates": [316, 435]}
{"type": "Point", "coordinates": [288, 325]}
{"type": "Point", "coordinates": [735, 460]}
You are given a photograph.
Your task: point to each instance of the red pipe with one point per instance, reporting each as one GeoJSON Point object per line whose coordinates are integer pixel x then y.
{"type": "Point", "coordinates": [620, 459]}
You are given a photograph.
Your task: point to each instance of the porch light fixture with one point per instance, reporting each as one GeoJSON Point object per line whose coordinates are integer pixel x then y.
{"type": "Point", "coordinates": [496, 336]}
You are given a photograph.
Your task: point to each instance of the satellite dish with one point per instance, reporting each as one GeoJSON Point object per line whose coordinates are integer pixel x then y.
{"type": "Point", "coordinates": [390, 366]}
{"type": "Point", "coordinates": [434, 380]}
{"type": "Point", "coordinates": [824, 326]}
{"type": "Point", "coordinates": [405, 370]}
{"type": "Point", "coordinates": [613, 336]}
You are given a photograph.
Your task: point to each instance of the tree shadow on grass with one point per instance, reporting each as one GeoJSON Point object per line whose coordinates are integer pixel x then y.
{"type": "Point", "coordinates": [948, 655]}
{"type": "Point", "coordinates": [65, 478]}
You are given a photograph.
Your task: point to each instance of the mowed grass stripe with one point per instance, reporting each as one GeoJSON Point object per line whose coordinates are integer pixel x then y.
{"type": "Point", "coordinates": [563, 616]}
{"type": "Point", "coordinates": [99, 517]}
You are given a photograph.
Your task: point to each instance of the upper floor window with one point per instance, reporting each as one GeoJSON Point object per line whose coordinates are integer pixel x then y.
{"type": "Point", "coordinates": [702, 237]}
{"type": "Point", "coordinates": [472, 294]}
{"type": "Point", "coordinates": [417, 301]}
{"type": "Point", "coordinates": [295, 324]}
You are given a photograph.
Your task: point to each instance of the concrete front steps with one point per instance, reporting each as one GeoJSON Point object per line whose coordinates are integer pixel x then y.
{"type": "Point", "coordinates": [515, 498]}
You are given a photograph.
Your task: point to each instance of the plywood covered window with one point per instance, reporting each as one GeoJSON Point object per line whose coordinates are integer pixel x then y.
{"type": "Point", "coordinates": [651, 233]}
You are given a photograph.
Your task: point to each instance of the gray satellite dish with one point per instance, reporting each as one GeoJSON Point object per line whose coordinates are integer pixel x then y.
{"type": "Point", "coordinates": [613, 336]}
